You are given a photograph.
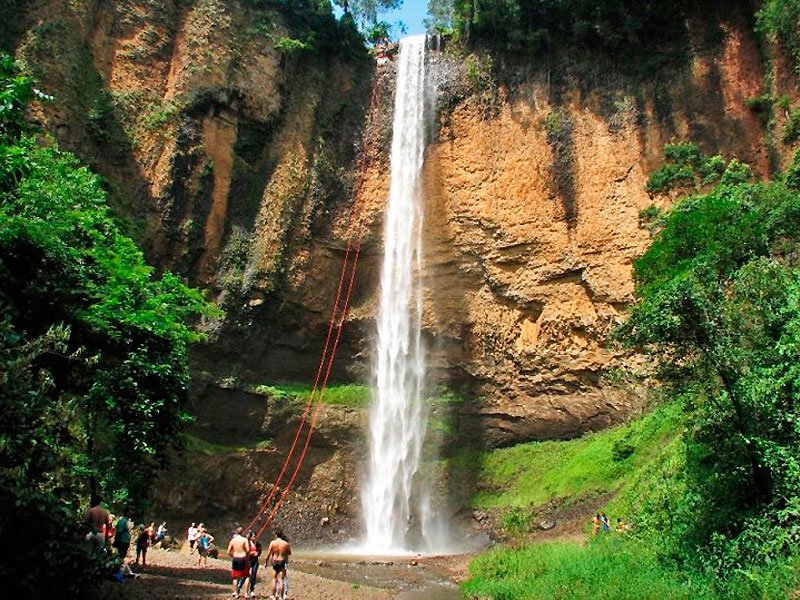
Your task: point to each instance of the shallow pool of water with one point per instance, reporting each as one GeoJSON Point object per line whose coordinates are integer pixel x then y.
{"type": "Point", "coordinates": [409, 576]}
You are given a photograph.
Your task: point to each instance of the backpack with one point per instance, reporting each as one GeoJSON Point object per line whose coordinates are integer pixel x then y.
{"type": "Point", "coordinates": [203, 542]}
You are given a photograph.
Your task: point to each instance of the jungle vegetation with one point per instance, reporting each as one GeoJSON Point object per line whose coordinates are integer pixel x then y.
{"type": "Point", "coordinates": [93, 367]}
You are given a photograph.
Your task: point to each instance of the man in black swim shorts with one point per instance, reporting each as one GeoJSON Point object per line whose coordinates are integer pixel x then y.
{"type": "Point", "coordinates": [277, 555]}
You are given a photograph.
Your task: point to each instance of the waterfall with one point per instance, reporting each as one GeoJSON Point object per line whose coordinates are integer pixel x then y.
{"type": "Point", "coordinates": [397, 419]}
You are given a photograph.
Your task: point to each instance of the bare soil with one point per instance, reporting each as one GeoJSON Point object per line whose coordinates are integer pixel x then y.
{"type": "Point", "coordinates": [175, 574]}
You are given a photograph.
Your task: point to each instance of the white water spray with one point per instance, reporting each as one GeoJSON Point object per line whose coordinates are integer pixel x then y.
{"type": "Point", "coordinates": [397, 417]}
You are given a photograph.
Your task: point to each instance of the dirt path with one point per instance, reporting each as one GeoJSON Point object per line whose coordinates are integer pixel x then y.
{"type": "Point", "coordinates": [175, 575]}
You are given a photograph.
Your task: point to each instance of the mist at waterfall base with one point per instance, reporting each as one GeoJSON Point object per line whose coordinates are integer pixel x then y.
{"type": "Point", "coordinates": [399, 508]}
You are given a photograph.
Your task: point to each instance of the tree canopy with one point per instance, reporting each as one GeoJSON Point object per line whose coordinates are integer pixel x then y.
{"type": "Point", "coordinates": [718, 304]}
{"type": "Point", "coordinates": [93, 369]}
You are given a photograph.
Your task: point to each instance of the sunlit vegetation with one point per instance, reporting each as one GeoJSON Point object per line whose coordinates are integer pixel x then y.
{"type": "Point", "coordinates": [716, 507]}
{"type": "Point", "coordinates": [93, 369]}
{"type": "Point", "coordinates": [529, 475]}
{"type": "Point", "coordinates": [351, 395]}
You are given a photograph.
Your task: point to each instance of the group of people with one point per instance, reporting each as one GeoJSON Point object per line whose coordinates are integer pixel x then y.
{"type": "Point", "coordinates": [245, 551]}
{"type": "Point", "coordinates": [601, 522]}
{"type": "Point", "coordinates": [201, 540]}
{"type": "Point", "coordinates": [108, 532]}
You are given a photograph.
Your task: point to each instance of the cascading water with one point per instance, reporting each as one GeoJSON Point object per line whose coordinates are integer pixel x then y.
{"type": "Point", "coordinates": [397, 417]}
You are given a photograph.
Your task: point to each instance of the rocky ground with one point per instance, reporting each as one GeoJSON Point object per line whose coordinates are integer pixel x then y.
{"type": "Point", "coordinates": [175, 574]}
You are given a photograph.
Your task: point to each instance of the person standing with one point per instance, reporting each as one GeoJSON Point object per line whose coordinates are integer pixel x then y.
{"type": "Point", "coordinates": [255, 554]}
{"type": "Point", "coordinates": [161, 533]}
{"type": "Point", "coordinates": [99, 521]}
{"type": "Point", "coordinates": [191, 535]}
{"type": "Point", "coordinates": [204, 540]}
{"type": "Point", "coordinates": [122, 538]}
{"type": "Point", "coordinates": [142, 543]}
{"type": "Point", "coordinates": [278, 554]}
{"type": "Point", "coordinates": [151, 532]}
{"type": "Point", "coordinates": [239, 551]}
{"type": "Point", "coordinates": [605, 523]}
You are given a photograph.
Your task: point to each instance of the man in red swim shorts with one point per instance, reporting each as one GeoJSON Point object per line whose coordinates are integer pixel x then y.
{"type": "Point", "coordinates": [239, 551]}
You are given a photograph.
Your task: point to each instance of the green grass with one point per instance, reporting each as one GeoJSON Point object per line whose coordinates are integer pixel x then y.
{"type": "Point", "coordinates": [196, 445]}
{"type": "Point", "coordinates": [641, 463]}
{"type": "Point", "coordinates": [351, 395]}
{"type": "Point", "coordinates": [532, 474]}
{"type": "Point", "coordinates": [611, 567]}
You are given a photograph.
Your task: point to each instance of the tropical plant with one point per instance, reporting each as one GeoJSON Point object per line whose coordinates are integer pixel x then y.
{"type": "Point", "coordinates": [93, 368]}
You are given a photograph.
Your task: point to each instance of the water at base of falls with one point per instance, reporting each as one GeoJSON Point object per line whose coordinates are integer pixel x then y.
{"type": "Point", "coordinates": [397, 419]}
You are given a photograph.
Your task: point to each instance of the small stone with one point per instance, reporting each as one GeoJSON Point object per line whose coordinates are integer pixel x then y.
{"type": "Point", "coordinates": [324, 521]}
{"type": "Point", "coordinates": [546, 525]}
{"type": "Point", "coordinates": [479, 516]}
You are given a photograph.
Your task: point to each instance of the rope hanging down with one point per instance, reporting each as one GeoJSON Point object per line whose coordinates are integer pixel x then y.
{"type": "Point", "coordinates": [337, 320]}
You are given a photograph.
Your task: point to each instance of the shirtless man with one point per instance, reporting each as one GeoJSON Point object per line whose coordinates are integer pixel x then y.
{"type": "Point", "coordinates": [239, 551]}
{"type": "Point", "coordinates": [277, 555]}
{"type": "Point", "coordinates": [98, 519]}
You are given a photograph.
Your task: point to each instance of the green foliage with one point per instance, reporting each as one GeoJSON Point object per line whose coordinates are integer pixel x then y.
{"type": "Point", "coordinates": [534, 473]}
{"type": "Point", "coordinates": [793, 172]}
{"type": "Point", "coordinates": [610, 567]}
{"type": "Point", "coordinates": [366, 11]}
{"type": "Point", "coordinates": [516, 521]}
{"type": "Point", "coordinates": [292, 46]}
{"type": "Point", "coordinates": [441, 17]}
{"type": "Point", "coordinates": [309, 23]}
{"type": "Point", "coordinates": [377, 31]}
{"type": "Point", "coordinates": [93, 370]}
{"type": "Point", "coordinates": [762, 106]}
{"type": "Point", "coordinates": [621, 26]}
{"type": "Point", "coordinates": [791, 129]}
{"type": "Point", "coordinates": [718, 301]}
{"type": "Point", "coordinates": [100, 117]}
{"type": "Point", "coordinates": [781, 19]}
{"type": "Point", "coordinates": [161, 115]}
{"type": "Point", "coordinates": [650, 217]}
{"type": "Point", "coordinates": [686, 168]}
{"type": "Point", "coordinates": [352, 395]}
{"type": "Point", "coordinates": [16, 90]}
{"type": "Point", "coordinates": [478, 71]}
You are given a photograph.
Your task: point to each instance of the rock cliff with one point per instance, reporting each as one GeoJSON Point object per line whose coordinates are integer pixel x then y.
{"type": "Point", "coordinates": [237, 156]}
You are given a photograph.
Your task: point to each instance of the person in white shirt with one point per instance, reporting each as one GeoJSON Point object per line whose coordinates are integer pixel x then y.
{"type": "Point", "coordinates": [191, 535]}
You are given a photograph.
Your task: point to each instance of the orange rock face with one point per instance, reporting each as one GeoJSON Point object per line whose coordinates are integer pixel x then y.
{"type": "Point", "coordinates": [532, 228]}
{"type": "Point", "coordinates": [241, 166]}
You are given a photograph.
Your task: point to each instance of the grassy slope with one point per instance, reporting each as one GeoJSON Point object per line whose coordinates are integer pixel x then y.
{"type": "Point", "coordinates": [610, 568]}
{"type": "Point", "coordinates": [617, 566]}
{"type": "Point", "coordinates": [619, 462]}
{"type": "Point", "coordinates": [599, 463]}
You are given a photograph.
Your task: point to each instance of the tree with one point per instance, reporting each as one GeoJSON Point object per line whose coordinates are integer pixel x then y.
{"type": "Point", "coordinates": [93, 368]}
{"type": "Point", "coordinates": [366, 11]}
{"type": "Point", "coordinates": [718, 304]}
